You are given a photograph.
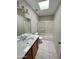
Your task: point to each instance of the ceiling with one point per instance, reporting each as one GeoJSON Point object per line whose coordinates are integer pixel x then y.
{"type": "Point", "coordinates": [53, 4]}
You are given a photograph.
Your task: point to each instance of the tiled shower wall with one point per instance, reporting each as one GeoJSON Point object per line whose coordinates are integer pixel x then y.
{"type": "Point", "coordinates": [45, 25]}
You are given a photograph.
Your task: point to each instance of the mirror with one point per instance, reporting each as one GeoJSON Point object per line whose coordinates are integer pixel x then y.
{"type": "Point", "coordinates": [27, 25]}
{"type": "Point", "coordinates": [23, 25]}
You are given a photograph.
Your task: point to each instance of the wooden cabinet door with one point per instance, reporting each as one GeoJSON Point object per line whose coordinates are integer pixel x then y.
{"type": "Point", "coordinates": [34, 49]}
{"type": "Point", "coordinates": [28, 55]}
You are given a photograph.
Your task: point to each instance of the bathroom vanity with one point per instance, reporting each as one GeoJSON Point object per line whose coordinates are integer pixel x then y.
{"type": "Point", "coordinates": [32, 51]}
{"type": "Point", "coordinates": [27, 49]}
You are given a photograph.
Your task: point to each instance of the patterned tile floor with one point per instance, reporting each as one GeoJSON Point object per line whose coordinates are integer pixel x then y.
{"type": "Point", "coordinates": [46, 48]}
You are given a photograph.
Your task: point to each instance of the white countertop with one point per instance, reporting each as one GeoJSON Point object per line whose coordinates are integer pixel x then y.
{"type": "Point", "coordinates": [23, 47]}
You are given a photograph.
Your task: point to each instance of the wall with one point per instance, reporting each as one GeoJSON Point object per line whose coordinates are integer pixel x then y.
{"type": "Point", "coordinates": [45, 25]}
{"type": "Point", "coordinates": [57, 30]}
{"type": "Point", "coordinates": [32, 16]}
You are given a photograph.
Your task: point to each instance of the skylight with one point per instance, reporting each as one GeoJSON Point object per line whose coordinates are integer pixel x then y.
{"type": "Point", "coordinates": [44, 5]}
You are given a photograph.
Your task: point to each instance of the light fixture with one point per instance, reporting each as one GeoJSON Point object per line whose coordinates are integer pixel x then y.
{"type": "Point", "coordinates": [44, 5]}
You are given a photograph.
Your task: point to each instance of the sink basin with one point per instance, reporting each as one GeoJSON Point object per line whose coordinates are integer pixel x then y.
{"type": "Point", "coordinates": [28, 43]}
{"type": "Point", "coordinates": [25, 41]}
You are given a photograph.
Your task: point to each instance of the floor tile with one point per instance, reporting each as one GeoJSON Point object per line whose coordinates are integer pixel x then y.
{"type": "Point", "coordinates": [46, 48]}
